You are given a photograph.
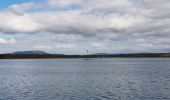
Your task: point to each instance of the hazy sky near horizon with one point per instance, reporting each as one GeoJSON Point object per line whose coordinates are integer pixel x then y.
{"type": "Point", "coordinates": [72, 26]}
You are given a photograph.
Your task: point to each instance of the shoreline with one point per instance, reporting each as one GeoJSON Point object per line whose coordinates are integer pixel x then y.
{"type": "Point", "coordinates": [59, 56]}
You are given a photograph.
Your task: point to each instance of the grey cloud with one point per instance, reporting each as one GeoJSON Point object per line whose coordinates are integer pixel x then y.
{"type": "Point", "coordinates": [116, 21]}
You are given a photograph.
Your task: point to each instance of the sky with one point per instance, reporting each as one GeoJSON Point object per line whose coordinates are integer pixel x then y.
{"type": "Point", "coordinates": [73, 26]}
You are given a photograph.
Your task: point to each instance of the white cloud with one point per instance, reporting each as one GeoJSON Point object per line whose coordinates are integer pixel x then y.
{"type": "Point", "coordinates": [5, 41]}
{"type": "Point", "coordinates": [12, 23]}
{"type": "Point", "coordinates": [59, 3]}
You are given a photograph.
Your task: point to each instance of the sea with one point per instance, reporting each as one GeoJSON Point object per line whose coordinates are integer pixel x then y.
{"type": "Point", "coordinates": [81, 79]}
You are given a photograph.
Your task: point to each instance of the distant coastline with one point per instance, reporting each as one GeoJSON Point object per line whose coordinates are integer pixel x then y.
{"type": "Point", "coordinates": [46, 56]}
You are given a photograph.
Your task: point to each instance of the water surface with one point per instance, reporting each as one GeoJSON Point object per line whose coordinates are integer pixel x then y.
{"type": "Point", "coordinates": [78, 79]}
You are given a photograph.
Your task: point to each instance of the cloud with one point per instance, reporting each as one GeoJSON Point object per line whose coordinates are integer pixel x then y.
{"type": "Point", "coordinates": [59, 3]}
{"type": "Point", "coordinates": [13, 23]}
{"type": "Point", "coordinates": [60, 46]}
{"type": "Point", "coordinates": [111, 24]}
{"type": "Point", "coordinates": [64, 38]}
{"type": "Point", "coordinates": [67, 21]}
{"type": "Point", "coordinates": [42, 47]}
{"type": "Point", "coordinates": [21, 8]}
{"type": "Point", "coordinates": [4, 41]}
{"type": "Point", "coordinates": [59, 22]}
{"type": "Point", "coordinates": [97, 45]}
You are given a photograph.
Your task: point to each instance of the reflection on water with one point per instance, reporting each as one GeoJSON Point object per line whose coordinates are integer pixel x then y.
{"type": "Point", "coordinates": [78, 79]}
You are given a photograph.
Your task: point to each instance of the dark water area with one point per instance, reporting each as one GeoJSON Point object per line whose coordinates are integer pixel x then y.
{"type": "Point", "coordinates": [78, 79]}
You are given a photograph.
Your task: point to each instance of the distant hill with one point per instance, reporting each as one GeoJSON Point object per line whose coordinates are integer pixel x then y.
{"type": "Point", "coordinates": [30, 52]}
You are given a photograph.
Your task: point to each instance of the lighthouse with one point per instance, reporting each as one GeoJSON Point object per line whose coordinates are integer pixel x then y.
{"type": "Point", "coordinates": [87, 51]}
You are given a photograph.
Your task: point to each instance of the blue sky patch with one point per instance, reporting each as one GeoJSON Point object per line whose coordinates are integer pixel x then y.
{"type": "Point", "coordinates": [6, 3]}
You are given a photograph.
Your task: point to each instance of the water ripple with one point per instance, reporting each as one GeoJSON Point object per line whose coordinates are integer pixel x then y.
{"type": "Point", "coordinates": [77, 79]}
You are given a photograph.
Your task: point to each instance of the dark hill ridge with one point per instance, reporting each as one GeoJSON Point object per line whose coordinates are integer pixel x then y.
{"type": "Point", "coordinates": [30, 52]}
{"type": "Point", "coordinates": [41, 54]}
{"type": "Point", "coordinates": [44, 55]}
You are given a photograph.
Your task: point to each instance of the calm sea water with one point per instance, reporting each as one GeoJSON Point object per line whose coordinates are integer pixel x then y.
{"type": "Point", "coordinates": [78, 79]}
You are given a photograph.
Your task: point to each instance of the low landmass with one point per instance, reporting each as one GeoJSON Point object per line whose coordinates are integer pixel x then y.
{"type": "Point", "coordinates": [44, 55]}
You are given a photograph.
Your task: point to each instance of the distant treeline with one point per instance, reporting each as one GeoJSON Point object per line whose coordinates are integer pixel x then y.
{"type": "Point", "coordinates": [44, 56]}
